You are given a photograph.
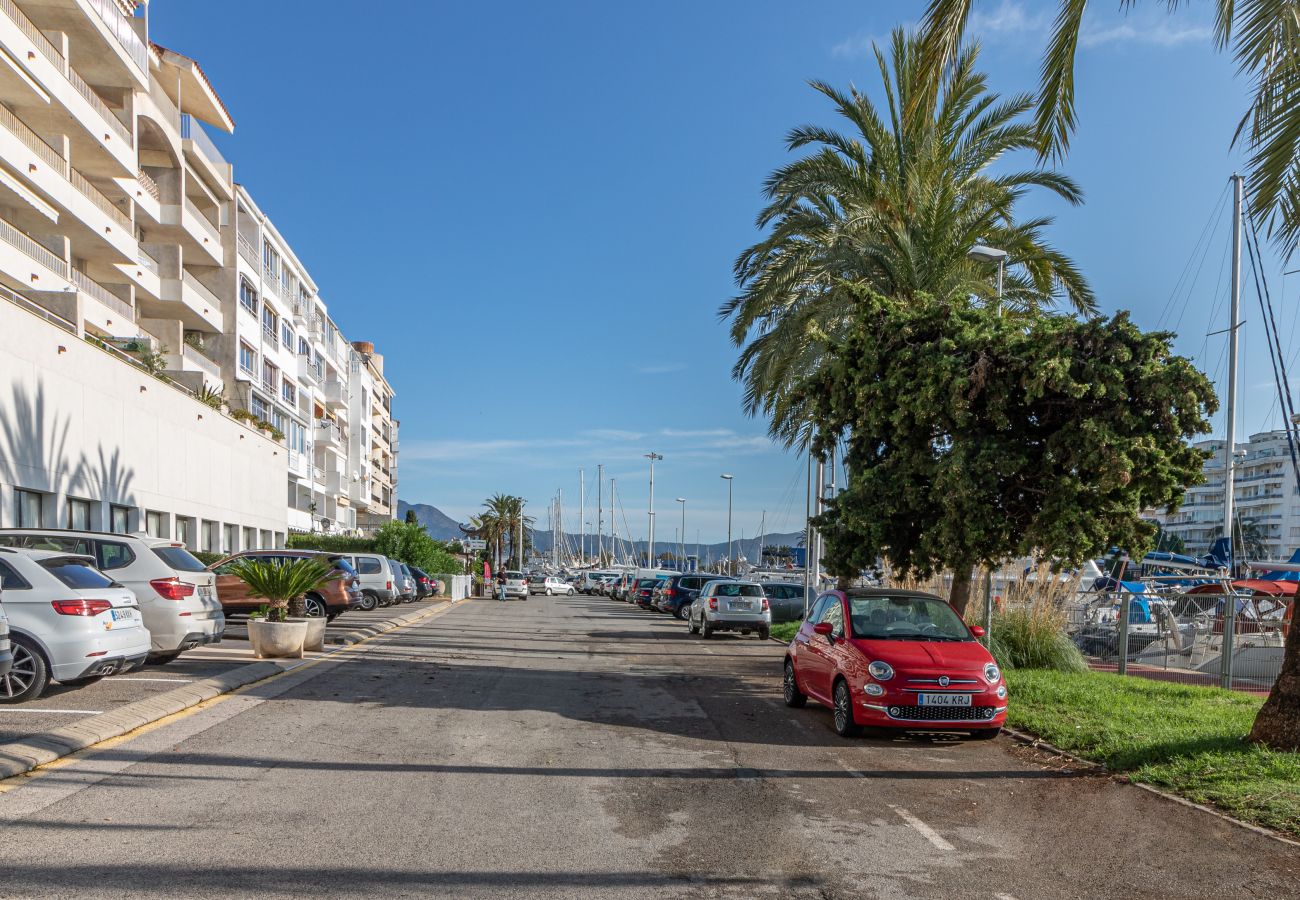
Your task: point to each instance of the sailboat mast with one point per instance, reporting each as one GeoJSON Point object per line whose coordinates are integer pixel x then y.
{"type": "Point", "coordinates": [600, 515]}
{"type": "Point", "coordinates": [582, 517]}
{"type": "Point", "coordinates": [1234, 323]}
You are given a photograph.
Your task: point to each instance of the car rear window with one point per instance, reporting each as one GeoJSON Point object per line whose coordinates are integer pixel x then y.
{"type": "Point", "coordinates": [77, 574]}
{"type": "Point", "coordinates": [727, 589]}
{"type": "Point", "coordinates": [179, 559]}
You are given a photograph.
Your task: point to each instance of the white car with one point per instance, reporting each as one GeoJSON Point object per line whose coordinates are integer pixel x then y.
{"type": "Point", "coordinates": [516, 585]}
{"type": "Point", "coordinates": [6, 653]}
{"type": "Point", "coordinates": [550, 585]}
{"type": "Point", "coordinates": [177, 594]}
{"type": "Point", "coordinates": [68, 622]}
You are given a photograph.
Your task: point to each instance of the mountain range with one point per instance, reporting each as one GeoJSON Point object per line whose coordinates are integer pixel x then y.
{"type": "Point", "coordinates": [443, 527]}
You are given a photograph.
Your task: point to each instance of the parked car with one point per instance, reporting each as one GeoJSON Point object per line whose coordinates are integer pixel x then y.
{"type": "Point", "coordinates": [406, 581]}
{"type": "Point", "coordinates": [895, 659]}
{"type": "Point", "coordinates": [787, 600]}
{"type": "Point", "coordinates": [425, 585]}
{"type": "Point", "coordinates": [621, 587]}
{"type": "Point", "coordinates": [643, 592]}
{"type": "Point", "coordinates": [69, 622]}
{"type": "Point", "coordinates": [516, 585]}
{"type": "Point", "coordinates": [730, 606]}
{"type": "Point", "coordinates": [550, 585]}
{"type": "Point", "coordinates": [335, 596]}
{"type": "Point", "coordinates": [377, 579]}
{"type": "Point", "coordinates": [6, 648]}
{"type": "Point", "coordinates": [176, 594]}
{"type": "Point", "coordinates": [675, 595]}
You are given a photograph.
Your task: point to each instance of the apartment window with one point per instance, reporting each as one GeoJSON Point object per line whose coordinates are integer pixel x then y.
{"type": "Point", "coordinates": [250, 538]}
{"type": "Point", "coordinates": [230, 534]}
{"type": "Point", "coordinates": [247, 358]}
{"type": "Point", "coordinates": [286, 336]}
{"type": "Point", "coordinates": [297, 437]}
{"type": "Point", "coordinates": [119, 519]}
{"type": "Point", "coordinates": [270, 259]}
{"type": "Point", "coordinates": [79, 514]}
{"type": "Point", "coordinates": [304, 348]}
{"type": "Point", "coordinates": [259, 407]}
{"type": "Point", "coordinates": [279, 420]}
{"type": "Point", "coordinates": [155, 524]}
{"type": "Point", "coordinates": [185, 531]}
{"type": "Point", "coordinates": [270, 376]}
{"type": "Point", "coordinates": [268, 321]}
{"type": "Point", "coordinates": [289, 392]}
{"type": "Point", "coordinates": [247, 295]}
{"type": "Point", "coordinates": [210, 537]}
{"type": "Point", "coordinates": [267, 543]}
{"type": "Point", "coordinates": [30, 508]}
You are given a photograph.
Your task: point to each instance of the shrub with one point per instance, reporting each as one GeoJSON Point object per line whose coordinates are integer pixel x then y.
{"type": "Point", "coordinates": [207, 558]}
{"type": "Point", "coordinates": [283, 584]}
{"type": "Point", "coordinates": [330, 543]}
{"type": "Point", "coordinates": [1034, 637]}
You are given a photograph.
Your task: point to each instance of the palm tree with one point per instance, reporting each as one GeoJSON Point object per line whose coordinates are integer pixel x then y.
{"type": "Point", "coordinates": [894, 205]}
{"type": "Point", "coordinates": [1263, 35]}
{"type": "Point", "coordinates": [502, 518]}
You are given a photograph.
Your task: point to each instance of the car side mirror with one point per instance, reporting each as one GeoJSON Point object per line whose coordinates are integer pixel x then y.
{"type": "Point", "coordinates": [977, 631]}
{"type": "Point", "coordinates": [826, 629]}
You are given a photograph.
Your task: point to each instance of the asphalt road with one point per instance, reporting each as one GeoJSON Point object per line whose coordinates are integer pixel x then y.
{"type": "Point", "coordinates": [576, 747]}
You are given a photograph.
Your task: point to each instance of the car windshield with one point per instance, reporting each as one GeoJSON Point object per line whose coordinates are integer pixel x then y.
{"type": "Point", "coordinates": [515, 576]}
{"type": "Point", "coordinates": [729, 589]}
{"type": "Point", "coordinates": [905, 617]}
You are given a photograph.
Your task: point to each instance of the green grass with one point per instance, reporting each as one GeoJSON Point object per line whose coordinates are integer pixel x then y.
{"type": "Point", "coordinates": [785, 631]}
{"type": "Point", "coordinates": [1183, 739]}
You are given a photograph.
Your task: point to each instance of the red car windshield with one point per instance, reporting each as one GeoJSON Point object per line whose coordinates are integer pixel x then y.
{"type": "Point", "coordinates": [906, 618]}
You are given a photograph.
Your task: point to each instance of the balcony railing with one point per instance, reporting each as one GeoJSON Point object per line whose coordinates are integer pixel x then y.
{"type": "Point", "coordinates": [268, 333]}
{"type": "Point", "coordinates": [146, 260]}
{"type": "Point", "coordinates": [27, 244]}
{"type": "Point", "coordinates": [37, 310]}
{"type": "Point", "coordinates": [193, 355]}
{"type": "Point", "coordinates": [93, 194]}
{"type": "Point", "coordinates": [204, 222]}
{"type": "Point", "coordinates": [120, 27]}
{"type": "Point", "coordinates": [191, 130]}
{"type": "Point", "coordinates": [246, 250]}
{"type": "Point", "coordinates": [88, 285]}
{"type": "Point", "coordinates": [150, 186]}
{"type": "Point", "coordinates": [270, 279]}
{"type": "Point", "coordinates": [201, 289]}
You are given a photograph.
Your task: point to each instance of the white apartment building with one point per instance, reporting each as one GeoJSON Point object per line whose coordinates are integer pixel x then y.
{"type": "Point", "coordinates": [121, 223]}
{"type": "Point", "coordinates": [1264, 490]}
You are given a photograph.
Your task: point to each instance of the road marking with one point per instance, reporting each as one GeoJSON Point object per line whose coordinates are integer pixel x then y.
{"type": "Point", "coordinates": [64, 712]}
{"type": "Point", "coordinates": [168, 680]}
{"type": "Point", "coordinates": [1003, 897]}
{"type": "Point", "coordinates": [926, 831]}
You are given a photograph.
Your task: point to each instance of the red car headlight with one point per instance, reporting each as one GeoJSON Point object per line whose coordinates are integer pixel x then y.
{"type": "Point", "coordinates": [880, 670]}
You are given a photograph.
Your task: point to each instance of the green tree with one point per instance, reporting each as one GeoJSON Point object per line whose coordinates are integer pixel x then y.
{"type": "Point", "coordinates": [894, 204]}
{"type": "Point", "coordinates": [411, 518]}
{"type": "Point", "coordinates": [411, 544]}
{"type": "Point", "coordinates": [973, 437]}
{"type": "Point", "coordinates": [1263, 35]}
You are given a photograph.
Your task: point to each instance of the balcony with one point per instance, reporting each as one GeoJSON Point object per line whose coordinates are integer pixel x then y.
{"type": "Point", "coordinates": [327, 435]}
{"type": "Point", "coordinates": [247, 250]}
{"type": "Point", "coordinates": [270, 279]}
{"type": "Point", "coordinates": [96, 291]}
{"type": "Point", "coordinates": [31, 251]}
{"type": "Point", "coordinates": [309, 370]}
{"type": "Point", "coordinates": [205, 157]}
{"type": "Point", "coordinates": [119, 26]}
{"type": "Point", "coordinates": [336, 394]}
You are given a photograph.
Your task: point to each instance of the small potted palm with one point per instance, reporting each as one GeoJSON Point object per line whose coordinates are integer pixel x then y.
{"type": "Point", "coordinates": [283, 585]}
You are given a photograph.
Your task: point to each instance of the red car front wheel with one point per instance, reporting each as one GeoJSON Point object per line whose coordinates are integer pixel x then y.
{"type": "Point", "coordinates": [843, 710]}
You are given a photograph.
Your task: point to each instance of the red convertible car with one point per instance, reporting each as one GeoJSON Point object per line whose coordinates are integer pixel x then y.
{"type": "Point", "coordinates": [895, 659]}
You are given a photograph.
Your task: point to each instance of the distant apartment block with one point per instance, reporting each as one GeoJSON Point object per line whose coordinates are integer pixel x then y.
{"type": "Point", "coordinates": [1264, 490]}
{"type": "Point", "coordinates": [127, 250]}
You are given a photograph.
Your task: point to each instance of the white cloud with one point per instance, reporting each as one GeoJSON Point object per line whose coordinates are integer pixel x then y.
{"type": "Point", "coordinates": [1161, 33]}
{"type": "Point", "coordinates": [612, 434]}
{"type": "Point", "coordinates": [662, 369]}
{"type": "Point", "coordinates": [707, 432]}
{"type": "Point", "coordinates": [1008, 18]}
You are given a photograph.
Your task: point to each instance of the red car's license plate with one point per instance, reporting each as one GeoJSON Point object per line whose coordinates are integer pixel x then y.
{"type": "Point", "coordinates": [943, 700]}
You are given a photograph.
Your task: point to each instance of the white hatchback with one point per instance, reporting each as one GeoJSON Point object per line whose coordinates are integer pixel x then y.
{"type": "Point", "coordinates": [68, 622]}
{"type": "Point", "coordinates": [549, 586]}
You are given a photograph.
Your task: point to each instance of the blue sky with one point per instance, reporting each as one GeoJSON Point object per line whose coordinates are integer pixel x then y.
{"type": "Point", "coordinates": [533, 210]}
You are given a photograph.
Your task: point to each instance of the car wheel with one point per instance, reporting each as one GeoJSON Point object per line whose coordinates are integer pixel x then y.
{"type": "Point", "coordinates": [314, 606]}
{"type": "Point", "coordinates": [28, 675]}
{"type": "Point", "coordinates": [368, 601]}
{"type": "Point", "coordinates": [764, 634]}
{"type": "Point", "coordinates": [793, 696]}
{"type": "Point", "coordinates": [843, 711]}
{"type": "Point", "coordinates": [159, 659]}
{"type": "Point", "coordinates": [706, 630]}
{"type": "Point", "coordinates": [683, 612]}
{"type": "Point", "coordinates": [985, 734]}
{"type": "Point", "coordinates": [548, 592]}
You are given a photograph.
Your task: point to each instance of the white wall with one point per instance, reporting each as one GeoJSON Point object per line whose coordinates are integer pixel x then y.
{"type": "Point", "coordinates": [75, 421]}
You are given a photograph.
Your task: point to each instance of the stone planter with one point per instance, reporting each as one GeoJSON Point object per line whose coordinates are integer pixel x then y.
{"type": "Point", "coordinates": [315, 640]}
{"type": "Point", "coordinates": [276, 640]}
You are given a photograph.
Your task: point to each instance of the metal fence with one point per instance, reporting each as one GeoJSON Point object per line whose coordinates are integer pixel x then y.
{"type": "Point", "coordinates": [1207, 634]}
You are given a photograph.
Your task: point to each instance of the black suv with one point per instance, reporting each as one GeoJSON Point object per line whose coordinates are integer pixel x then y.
{"type": "Point", "coordinates": [676, 594]}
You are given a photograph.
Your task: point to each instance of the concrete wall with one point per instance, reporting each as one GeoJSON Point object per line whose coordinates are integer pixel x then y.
{"type": "Point", "coordinates": [77, 422]}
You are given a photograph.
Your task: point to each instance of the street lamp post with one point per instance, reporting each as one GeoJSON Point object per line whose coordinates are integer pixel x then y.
{"type": "Point", "coordinates": [652, 456]}
{"type": "Point", "coordinates": [730, 552]}
{"type": "Point", "coordinates": [985, 253]}
{"type": "Point", "coordinates": [681, 549]}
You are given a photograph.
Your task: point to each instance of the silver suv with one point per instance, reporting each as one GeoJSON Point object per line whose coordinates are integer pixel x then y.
{"type": "Point", "coordinates": [176, 592]}
{"type": "Point", "coordinates": [731, 606]}
{"type": "Point", "coordinates": [6, 650]}
{"type": "Point", "coordinates": [378, 579]}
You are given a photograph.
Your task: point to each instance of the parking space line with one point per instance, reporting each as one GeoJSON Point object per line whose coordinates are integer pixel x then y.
{"type": "Point", "coordinates": [925, 830]}
{"type": "Point", "coordinates": [168, 680]}
{"type": "Point", "coordinates": [65, 712]}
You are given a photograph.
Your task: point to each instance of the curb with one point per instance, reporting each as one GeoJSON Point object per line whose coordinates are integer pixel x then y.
{"type": "Point", "coordinates": [361, 634]}
{"type": "Point", "coordinates": [39, 749]}
{"type": "Point", "coordinates": [1039, 744]}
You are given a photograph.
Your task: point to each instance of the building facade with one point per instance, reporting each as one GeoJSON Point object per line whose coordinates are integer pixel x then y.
{"type": "Point", "coordinates": [126, 243]}
{"type": "Point", "coordinates": [1265, 493]}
